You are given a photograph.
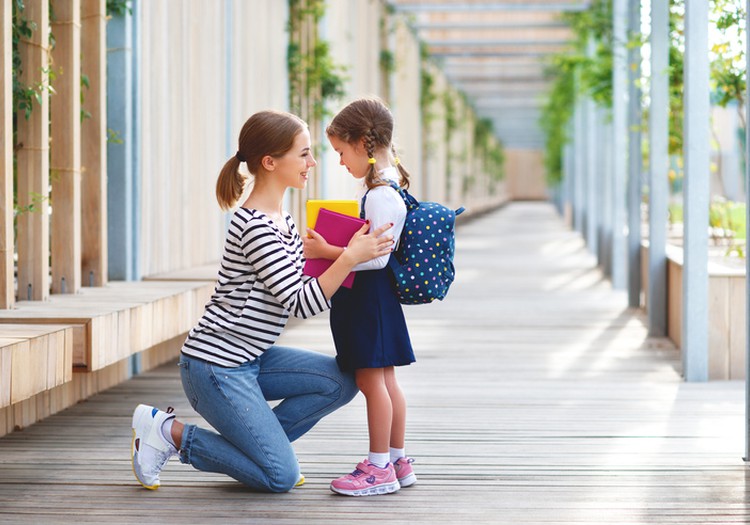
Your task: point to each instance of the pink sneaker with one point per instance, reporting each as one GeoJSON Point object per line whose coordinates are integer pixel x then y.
{"type": "Point", "coordinates": [367, 480]}
{"type": "Point", "coordinates": [404, 472]}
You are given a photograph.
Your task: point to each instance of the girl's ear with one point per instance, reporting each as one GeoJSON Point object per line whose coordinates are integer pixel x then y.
{"type": "Point", "coordinates": [268, 163]}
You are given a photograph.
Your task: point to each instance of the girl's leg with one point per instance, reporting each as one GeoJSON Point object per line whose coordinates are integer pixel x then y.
{"type": "Point", "coordinates": [251, 445]}
{"type": "Point", "coordinates": [375, 476]}
{"type": "Point", "coordinates": [309, 383]}
{"type": "Point", "coordinates": [401, 463]}
{"type": "Point", "coordinates": [371, 381]}
{"type": "Point", "coordinates": [398, 402]}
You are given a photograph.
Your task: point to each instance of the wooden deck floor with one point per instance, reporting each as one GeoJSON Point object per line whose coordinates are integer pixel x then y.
{"type": "Point", "coordinates": [536, 398]}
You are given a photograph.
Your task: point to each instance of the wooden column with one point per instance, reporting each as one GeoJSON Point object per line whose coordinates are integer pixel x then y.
{"type": "Point", "coordinates": [32, 159]}
{"type": "Point", "coordinates": [65, 150]}
{"type": "Point", "coordinates": [94, 143]}
{"type": "Point", "coordinates": [7, 294]}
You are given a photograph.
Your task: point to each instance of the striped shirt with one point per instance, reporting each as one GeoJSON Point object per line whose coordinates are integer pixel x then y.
{"type": "Point", "coordinates": [260, 285]}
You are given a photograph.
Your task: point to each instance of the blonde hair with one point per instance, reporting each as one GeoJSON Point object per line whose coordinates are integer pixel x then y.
{"type": "Point", "coordinates": [265, 133]}
{"type": "Point", "coordinates": [368, 120]}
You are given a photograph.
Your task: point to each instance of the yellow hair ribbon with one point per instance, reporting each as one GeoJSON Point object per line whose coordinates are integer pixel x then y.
{"type": "Point", "coordinates": [371, 160]}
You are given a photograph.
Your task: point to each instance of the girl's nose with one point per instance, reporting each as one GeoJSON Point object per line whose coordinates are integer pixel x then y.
{"type": "Point", "coordinates": [311, 161]}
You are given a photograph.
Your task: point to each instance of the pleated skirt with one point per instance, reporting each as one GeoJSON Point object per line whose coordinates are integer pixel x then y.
{"type": "Point", "coordinates": [368, 324]}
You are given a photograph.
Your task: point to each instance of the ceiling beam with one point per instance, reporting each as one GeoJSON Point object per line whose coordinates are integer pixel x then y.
{"type": "Point", "coordinates": [528, 26]}
{"type": "Point", "coordinates": [455, 42]}
{"type": "Point", "coordinates": [488, 6]}
{"type": "Point", "coordinates": [492, 54]}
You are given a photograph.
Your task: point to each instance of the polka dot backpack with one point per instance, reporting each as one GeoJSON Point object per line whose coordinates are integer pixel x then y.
{"type": "Point", "coordinates": [423, 263]}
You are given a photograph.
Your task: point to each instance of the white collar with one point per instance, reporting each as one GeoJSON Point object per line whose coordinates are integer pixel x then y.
{"type": "Point", "coordinates": [389, 173]}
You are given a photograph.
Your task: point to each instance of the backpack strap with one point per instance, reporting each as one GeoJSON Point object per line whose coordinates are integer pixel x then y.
{"type": "Point", "coordinates": [409, 201]}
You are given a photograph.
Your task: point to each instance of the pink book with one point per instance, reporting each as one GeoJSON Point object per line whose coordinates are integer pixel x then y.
{"type": "Point", "coordinates": [337, 229]}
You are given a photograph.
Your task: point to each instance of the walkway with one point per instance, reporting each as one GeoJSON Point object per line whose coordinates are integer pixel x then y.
{"type": "Point", "coordinates": [537, 398]}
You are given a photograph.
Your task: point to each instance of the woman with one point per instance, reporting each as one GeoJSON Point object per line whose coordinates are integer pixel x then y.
{"type": "Point", "coordinates": [229, 364]}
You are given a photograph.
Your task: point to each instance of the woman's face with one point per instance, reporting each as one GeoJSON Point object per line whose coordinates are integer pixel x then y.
{"type": "Point", "coordinates": [351, 156]}
{"type": "Point", "coordinates": [294, 166]}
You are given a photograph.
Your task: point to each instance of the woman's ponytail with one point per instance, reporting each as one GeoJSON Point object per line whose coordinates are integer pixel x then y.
{"type": "Point", "coordinates": [231, 184]}
{"type": "Point", "coordinates": [264, 133]}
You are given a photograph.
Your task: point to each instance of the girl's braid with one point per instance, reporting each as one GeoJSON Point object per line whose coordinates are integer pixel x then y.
{"type": "Point", "coordinates": [370, 143]}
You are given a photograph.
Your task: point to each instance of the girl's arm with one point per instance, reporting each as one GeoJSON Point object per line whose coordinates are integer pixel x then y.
{"type": "Point", "coordinates": [384, 205]}
{"type": "Point", "coordinates": [316, 247]}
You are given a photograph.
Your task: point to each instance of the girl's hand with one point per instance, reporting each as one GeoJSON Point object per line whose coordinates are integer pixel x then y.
{"type": "Point", "coordinates": [314, 246]}
{"type": "Point", "coordinates": [364, 246]}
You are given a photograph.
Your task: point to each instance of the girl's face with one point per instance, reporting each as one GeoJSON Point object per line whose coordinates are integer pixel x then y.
{"type": "Point", "coordinates": [294, 166]}
{"type": "Point", "coordinates": [351, 156]}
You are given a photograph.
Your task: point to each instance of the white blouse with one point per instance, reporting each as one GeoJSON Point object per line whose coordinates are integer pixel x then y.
{"type": "Point", "coordinates": [383, 205]}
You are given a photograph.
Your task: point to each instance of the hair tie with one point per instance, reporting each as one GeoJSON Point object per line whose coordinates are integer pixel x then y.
{"type": "Point", "coordinates": [239, 156]}
{"type": "Point", "coordinates": [396, 161]}
{"type": "Point", "coordinates": [371, 160]}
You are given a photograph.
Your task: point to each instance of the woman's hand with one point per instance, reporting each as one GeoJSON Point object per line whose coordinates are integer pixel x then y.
{"type": "Point", "coordinates": [364, 246]}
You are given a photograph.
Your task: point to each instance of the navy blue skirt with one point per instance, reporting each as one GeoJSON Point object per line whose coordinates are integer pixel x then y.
{"type": "Point", "coordinates": [368, 324]}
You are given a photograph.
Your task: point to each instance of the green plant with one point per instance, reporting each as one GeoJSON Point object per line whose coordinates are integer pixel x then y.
{"type": "Point", "coordinates": [314, 76]}
{"type": "Point", "coordinates": [577, 73]}
{"type": "Point", "coordinates": [22, 28]}
{"type": "Point", "coordinates": [727, 221]}
{"type": "Point", "coordinates": [113, 137]}
{"type": "Point", "coordinates": [119, 7]}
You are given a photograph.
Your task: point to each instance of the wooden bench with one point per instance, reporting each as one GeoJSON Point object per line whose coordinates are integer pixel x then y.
{"type": "Point", "coordinates": [113, 322]}
{"type": "Point", "coordinates": [33, 358]}
{"type": "Point", "coordinates": [56, 353]}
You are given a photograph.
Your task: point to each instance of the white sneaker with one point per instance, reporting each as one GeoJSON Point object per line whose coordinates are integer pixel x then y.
{"type": "Point", "coordinates": [150, 451]}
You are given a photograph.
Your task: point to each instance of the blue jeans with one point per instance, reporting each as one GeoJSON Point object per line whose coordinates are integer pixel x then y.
{"type": "Point", "coordinates": [253, 443]}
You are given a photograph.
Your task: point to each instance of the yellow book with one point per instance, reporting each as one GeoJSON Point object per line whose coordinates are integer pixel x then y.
{"type": "Point", "coordinates": [346, 207]}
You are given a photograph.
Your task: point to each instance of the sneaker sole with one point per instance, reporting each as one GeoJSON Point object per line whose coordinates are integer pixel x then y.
{"type": "Point", "coordinates": [408, 481]}
{"type": "Point", "coordinates": [385, 488]}
{"type": "Point", "coordinates": [140, 412]}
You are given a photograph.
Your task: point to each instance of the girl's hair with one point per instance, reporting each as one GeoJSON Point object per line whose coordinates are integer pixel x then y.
{"type": "Point", "coordinates": [371, 120]}
{"type": "Point", "coordinates": [265, 133]}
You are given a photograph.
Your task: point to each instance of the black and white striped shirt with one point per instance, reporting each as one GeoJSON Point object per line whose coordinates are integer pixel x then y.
{"type": "Point", "coordinates": [260, 284]}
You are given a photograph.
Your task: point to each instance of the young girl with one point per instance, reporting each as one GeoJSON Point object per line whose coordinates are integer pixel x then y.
{"type": "Point", "coordinates": [367, 321]}
{"type": "Point", "coordinates": [229, 365]}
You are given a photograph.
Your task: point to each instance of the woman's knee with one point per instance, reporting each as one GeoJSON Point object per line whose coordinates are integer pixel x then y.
{"type": "Point", "coordinates": [349, 388]}
{"type": "Point", "coordinates": [284, 478]}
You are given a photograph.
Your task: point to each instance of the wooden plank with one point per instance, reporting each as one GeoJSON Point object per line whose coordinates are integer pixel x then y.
{"type": "Point", "coordinates": [737, 327]}
{"type": "Point", "coordinates": [65, 155]}
{"type": "Point", "coordinates": [94, 143]}
{"type": "Point", "coordinates": [33, 359]}
{"type": "Point", "coordinates": [7, 286]}
{"type": "Point", "coordinates": [718, 320]}
{"type": "Point", "coordinates": [206, 272]}
{"type": "Point", "coordinates": [32, 159]}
